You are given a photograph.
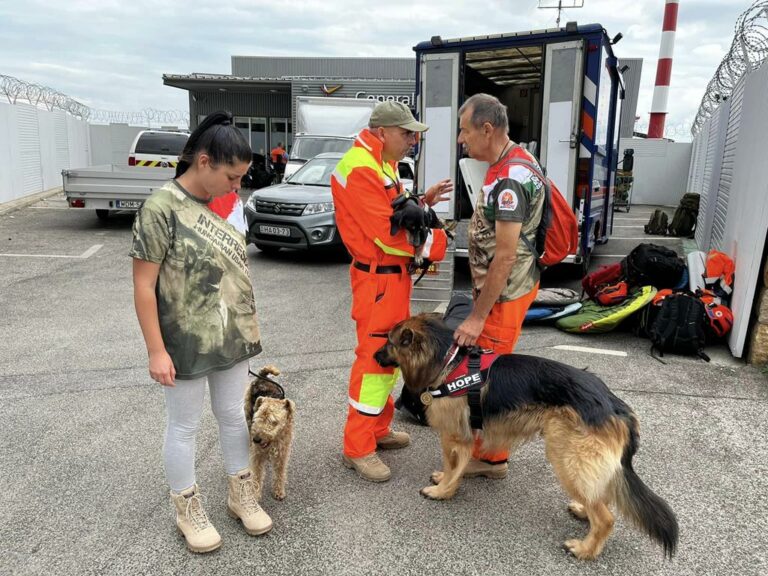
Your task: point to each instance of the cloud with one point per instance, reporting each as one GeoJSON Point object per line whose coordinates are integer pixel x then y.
{"type": "Point", "coordinates": [111, 54]}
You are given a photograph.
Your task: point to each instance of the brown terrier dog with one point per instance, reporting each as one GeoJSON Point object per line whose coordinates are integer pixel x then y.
{"type": "Point", "coordinates": [270, 423]}
{"type": "Point", "coordinates": [590, 435]}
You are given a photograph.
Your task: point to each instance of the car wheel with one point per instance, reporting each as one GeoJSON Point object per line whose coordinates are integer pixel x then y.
{"type": "Point", "coordinates": [102, 214]}
{"type": "Point", "coordinates": [268, 249]}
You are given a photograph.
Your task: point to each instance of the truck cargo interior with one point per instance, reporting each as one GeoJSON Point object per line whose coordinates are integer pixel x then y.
{"type": "Point", "coordinates": [514, 76]}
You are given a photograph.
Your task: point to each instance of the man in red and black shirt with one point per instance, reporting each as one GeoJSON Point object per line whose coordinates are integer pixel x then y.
{"type": "Point", "coordinates": [505, 277]}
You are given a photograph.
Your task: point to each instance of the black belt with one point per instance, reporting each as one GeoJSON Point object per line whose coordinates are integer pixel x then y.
{"type": "Point", "coordinates": [395, 269]}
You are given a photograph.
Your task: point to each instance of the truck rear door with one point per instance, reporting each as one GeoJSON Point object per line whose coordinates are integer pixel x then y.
{"type": "Point", "coordinates": [439, 105]}
{"type": "Point", "coordinates": [561, 96]}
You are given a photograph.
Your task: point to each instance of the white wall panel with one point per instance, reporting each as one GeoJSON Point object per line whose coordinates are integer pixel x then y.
{"type": "Point", "coordinates": [28, 142]}
{"type": "Point", "coordinates": [747, 215]}
{"type": "Point", "coordinates": [715, 145]}
{"type": "Point", "coordinates": [10, 174]}
{"type": "Point", "coordinates": [727, 169]}
{"type": "Point", "coordinates": [660, 170]}
{"type": "Point", "coordinates": [111, 143]}
{"type": "Point", "coordinates": [46, 125]}
{"type": "Point", "coordinates": [35, 145]}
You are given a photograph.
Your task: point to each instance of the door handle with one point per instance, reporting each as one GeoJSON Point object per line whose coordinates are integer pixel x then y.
{"type": "Point", "coordinates": [572, 141]}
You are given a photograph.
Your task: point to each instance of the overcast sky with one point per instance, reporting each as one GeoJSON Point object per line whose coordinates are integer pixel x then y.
{"type": "Point", "coordinates": [111, 54]}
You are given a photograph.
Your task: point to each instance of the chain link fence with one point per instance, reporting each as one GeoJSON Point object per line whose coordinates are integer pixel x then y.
{"type": "Point", "coordinates": [16, 90]}
{"type": "Point", "coordinates": [748, 51]}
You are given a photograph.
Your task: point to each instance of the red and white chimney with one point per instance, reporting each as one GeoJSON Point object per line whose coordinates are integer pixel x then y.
{"type": "Point", "coordinates": [663, 71]}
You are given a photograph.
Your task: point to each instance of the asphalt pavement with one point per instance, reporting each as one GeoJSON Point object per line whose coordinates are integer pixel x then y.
{"type": "Point", "coordinates": [82, 488]}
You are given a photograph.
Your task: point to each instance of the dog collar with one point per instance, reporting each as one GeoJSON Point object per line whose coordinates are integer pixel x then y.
{"type": "Point", "coordinates": [470, 373]}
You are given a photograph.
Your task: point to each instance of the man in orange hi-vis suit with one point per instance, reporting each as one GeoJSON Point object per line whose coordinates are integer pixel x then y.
{"type": "Point", "coordinates": [364, 185]}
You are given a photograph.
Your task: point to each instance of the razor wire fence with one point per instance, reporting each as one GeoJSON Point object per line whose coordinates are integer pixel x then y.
{"type": "Point", "coordinates": [16, 90]}
{"type": "Point", "coordinates": [748, 51]}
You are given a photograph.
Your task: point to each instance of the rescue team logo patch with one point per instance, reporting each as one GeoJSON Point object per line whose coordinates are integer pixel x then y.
{"type": "Point", "coordinates": [507, 200]}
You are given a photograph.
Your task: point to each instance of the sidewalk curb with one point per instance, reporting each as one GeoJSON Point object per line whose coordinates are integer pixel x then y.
{"type": "Point", "coordinates": [13, 205]}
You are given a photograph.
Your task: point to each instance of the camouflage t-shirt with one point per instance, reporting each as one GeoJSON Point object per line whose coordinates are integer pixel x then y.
{"type": "Point", "coordinates": [204, 294]}
{"type": "Point", "coordinates": [512, 193]}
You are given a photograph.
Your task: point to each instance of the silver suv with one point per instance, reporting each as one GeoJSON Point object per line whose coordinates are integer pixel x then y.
{"type": "Point", "coordinates": [299, 212]}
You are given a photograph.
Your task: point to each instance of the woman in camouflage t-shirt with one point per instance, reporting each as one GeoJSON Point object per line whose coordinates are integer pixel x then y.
{"type": "Point", "coordinates": [194, 301]}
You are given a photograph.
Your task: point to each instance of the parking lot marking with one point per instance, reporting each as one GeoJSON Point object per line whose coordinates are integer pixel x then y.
{"type": "Point", "coordinates": [87, 254]}
{"type": "Point", "coordinates": [670, 238]}
{"type": "Point", "coordinates": [603, 351]}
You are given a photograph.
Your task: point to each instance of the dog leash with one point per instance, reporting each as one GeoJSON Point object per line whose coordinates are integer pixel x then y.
{"type": "Point", "coordinates": [265, 379]}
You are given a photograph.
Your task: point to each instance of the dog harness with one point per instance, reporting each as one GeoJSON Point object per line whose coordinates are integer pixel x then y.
{"type": "Point", "coordinates": [467, 378]}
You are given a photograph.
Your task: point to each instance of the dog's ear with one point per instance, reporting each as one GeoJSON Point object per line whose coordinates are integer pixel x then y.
{"type": "Point", "coordinates": [406, 337]}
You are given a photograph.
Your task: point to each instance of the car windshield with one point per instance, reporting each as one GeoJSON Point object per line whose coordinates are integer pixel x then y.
{"type": "Point", "coordinates": [306, 148]}
{"type": "Point", "coordinates": [316, 172]}
{"type": "Point", "coordinates": [163, 143]}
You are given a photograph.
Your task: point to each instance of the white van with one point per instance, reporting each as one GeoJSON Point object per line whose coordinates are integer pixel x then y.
{"type": "Point", "coordinates": [157, 148]}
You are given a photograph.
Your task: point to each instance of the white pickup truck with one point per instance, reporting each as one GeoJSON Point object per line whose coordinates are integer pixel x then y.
{"type": "Point", "coordinates": [110, 188]}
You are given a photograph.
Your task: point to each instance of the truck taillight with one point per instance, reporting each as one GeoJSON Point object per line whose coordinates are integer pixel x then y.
{"type": "Point", "coordinates": [77, 203]}
{"type": "Point", "coordinates": [131, 160]}
{"type": "Point", "coordinates": [582, 178]}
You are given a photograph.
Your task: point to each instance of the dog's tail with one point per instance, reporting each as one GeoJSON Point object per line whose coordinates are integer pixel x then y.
{"type": "Point", "coordinates": [268, 370]}
{"type": "Point", "coordinates": [636, 501]}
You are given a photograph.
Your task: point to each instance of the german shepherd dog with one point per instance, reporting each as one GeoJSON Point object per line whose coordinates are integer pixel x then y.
{"type": "Point", "coordinates": [590, 435]}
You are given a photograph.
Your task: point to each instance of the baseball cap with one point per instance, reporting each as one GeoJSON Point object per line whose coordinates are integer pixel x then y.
{"type": "Point", "coordinates": [392, 113]}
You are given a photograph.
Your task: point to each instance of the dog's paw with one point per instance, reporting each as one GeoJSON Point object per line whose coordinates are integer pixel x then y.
{"type": "Point", "coordinates": [437, 477]}
{"type": "Point", "coordinates": [577, 549]}
{"type": "Point", "coordinates": [577, 510]}
{"type": "Point", "coordinates": [278, 494]}
{"type": "Point", "coordinates": [434, 493]}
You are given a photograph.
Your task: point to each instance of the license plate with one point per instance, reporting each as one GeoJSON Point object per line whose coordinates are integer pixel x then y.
{"type": "Point", "coordinates": [274, 230]}
{"type": "Point", "coordinates": [128, 204]}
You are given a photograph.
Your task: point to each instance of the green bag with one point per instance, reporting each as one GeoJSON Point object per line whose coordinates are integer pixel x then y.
{"type": "Point", "coordinates": [594, 318]}
{"type": "Point", "coordinates": [684, 220]}
{"type": "Point", "coordinates": [657, 225]}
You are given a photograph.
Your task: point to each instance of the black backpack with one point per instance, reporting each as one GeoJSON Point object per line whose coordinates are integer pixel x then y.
{"type": "Point", "coordinates": [649, 264]}
{"type": "Point", "coordinates": [679, 326]}
{"type": "Point", "coordinates": [657, 225]}
{"type": "Point", "coordinates": [684, 221]}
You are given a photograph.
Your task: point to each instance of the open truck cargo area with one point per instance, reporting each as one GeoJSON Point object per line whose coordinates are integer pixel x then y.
{"type": "Point", "coordinates": [563, 91]}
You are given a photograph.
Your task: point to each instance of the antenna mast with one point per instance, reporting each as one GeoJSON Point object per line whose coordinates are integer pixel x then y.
{"type": "Point", "coordinates": [560, 5]}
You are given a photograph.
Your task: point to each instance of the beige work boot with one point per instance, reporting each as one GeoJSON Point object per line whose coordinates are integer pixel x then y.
{"type": "Point", "coordinates": [394, 440]}
{"type": "Point", "coordinates": [480, 468]}
{"type": "Point", "coordinates": [192, 521]}
{"type": "Point", "coordinates": [369, 467]}
{"type": "Point", "coordinates": [243, 505]}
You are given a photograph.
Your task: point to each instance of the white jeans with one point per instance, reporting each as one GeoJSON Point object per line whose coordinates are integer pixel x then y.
{"type": "Point", "coordinates": [184, 408]}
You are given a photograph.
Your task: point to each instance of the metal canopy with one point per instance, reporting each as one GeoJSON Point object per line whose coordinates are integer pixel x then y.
{"type": "Point", "coordinates": [227, 82]}
{"type": "Point", "coordinates": [508, 66]}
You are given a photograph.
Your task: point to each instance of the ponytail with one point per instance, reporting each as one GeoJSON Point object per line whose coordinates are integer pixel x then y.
{"type": "Point", "coordinates": [217, 137]}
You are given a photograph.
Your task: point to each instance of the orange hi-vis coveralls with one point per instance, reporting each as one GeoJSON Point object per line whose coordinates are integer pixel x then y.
{"type": "Point", "coordinates": [363, 188]}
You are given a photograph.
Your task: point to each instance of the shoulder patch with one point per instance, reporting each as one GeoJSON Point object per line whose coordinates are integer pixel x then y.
{"type": "Point", "coordinates": [507, 200]}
